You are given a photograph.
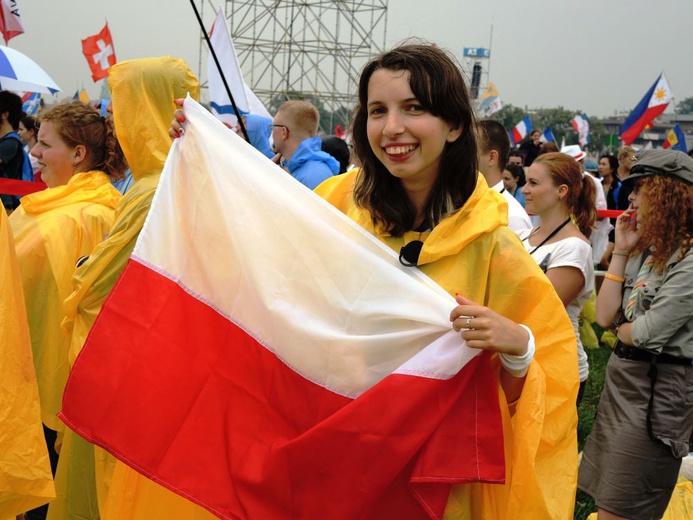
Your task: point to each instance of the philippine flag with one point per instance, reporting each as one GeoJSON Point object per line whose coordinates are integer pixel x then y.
{"type": "Point", "coordinates": [266, 361]}
{"type": "Point", "coordinates": [650, 107]}
{"type": "Point", "coordinates": [521, 129]}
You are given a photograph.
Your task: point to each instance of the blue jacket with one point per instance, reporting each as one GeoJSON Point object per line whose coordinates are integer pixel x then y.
{"type": "Point", "coordinates": [259, 129]}
{"type": "Point", "coordinates": [310, 165]}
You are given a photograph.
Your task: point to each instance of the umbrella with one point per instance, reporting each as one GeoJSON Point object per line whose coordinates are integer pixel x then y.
{"type": "Point", "coordinates": [18, 72]}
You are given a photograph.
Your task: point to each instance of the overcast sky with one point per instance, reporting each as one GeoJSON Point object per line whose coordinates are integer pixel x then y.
{"type": "Point", "coordinates": [598, 56]}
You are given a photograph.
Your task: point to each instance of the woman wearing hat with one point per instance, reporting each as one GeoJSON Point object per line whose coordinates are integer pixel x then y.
{"type": "Point", "coordinates": [645, 416]}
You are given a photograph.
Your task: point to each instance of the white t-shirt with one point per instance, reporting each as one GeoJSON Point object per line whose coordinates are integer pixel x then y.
{"type": "Point", "coordinates": [569, 252]}
{"type": "Point", "coordinates": [517, 216]}
{"type": "Point", "coordinates": [602, 228]}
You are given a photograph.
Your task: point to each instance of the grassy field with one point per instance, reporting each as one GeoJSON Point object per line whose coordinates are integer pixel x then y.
{"type": "Point", "coordinates": [584, 504]}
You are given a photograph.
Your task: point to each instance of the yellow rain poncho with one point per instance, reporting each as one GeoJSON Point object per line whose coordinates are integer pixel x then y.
{"type": "Point", "coordinates": [473, 253]}
{"type": "Point", "coordinates": [142, 92]}
{"type": "Point", "coordinates": [25, 473]}
{"type": "Point", "coordinates": [52, 230]}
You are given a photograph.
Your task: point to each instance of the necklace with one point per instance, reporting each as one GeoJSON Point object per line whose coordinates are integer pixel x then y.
{"type": "Point", "coordinates": [551, 235]}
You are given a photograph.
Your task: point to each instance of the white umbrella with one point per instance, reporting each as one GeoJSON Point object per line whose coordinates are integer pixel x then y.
{"type": "Point", "coordinates": [18, 72]}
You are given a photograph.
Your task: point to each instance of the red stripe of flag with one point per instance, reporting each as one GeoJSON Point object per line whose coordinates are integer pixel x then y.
{"type": "Point", "coordinates": [222, 420]}
{"type": "Point", "coordinates": [20, 188]}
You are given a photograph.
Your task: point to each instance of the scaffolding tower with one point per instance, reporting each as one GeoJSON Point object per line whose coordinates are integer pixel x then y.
{"type": "Point", "coordinates": [311, 50]}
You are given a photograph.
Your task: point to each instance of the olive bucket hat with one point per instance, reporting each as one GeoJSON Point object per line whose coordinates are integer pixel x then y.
{"type": "Point", "coordinates": [662, 162]}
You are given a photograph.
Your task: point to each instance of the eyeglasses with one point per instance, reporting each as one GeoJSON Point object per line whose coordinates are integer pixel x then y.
{"type": "Point", "coordinates": [281, 126]}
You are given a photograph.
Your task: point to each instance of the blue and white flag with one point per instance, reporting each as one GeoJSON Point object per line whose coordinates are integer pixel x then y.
{"type": "Point", "coordinates": [547, 136]}
{"type": "Point", "coordinates": [246, 101]}
{"type": "Point", "coordinates": [31, 103]}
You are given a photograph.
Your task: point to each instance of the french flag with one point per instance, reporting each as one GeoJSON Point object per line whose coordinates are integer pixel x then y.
{"type": "Point", "coordinates": [547, 136]}
{"type": "Point", "coordinates": [522, 129]}
{"type": "Point", "coordinates": [650, 107]}
{"type": "Point", "coordinates": [267, 361]}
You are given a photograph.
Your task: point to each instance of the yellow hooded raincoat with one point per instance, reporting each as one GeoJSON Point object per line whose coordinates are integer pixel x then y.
{"type": "Point", "coordinates": [25, 473]}
{"type": "Point", "coordinates": [473, 253]}
{"type": "Point", "coordinates": [52, 230]}
{"type": "Point", "coordinates": [142, 92]}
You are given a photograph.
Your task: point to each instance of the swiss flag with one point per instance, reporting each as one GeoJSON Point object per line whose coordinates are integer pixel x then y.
{"type": "Point", "coordinates": [100, 53]}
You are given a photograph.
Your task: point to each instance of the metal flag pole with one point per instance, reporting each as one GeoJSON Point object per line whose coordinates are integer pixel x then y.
{"type": "Point", "coordinates": [221, 72]}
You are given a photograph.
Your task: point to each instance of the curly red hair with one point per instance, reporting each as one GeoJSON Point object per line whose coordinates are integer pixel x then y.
{"type": "Point", "coordinates": [671, 227]}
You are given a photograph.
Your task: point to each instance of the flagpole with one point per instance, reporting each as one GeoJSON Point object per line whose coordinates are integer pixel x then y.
{"type": "Point", "coordinates": [221, 72]}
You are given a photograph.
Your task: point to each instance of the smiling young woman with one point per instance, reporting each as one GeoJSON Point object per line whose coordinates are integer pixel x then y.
{"type": "Point", "coordinates": [413, 132]}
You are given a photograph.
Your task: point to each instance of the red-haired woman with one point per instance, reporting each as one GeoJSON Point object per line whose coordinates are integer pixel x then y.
{"type": "Point", "coordinates": [645, 417]}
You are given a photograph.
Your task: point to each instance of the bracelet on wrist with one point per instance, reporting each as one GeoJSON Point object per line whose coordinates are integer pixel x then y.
{"type": "Point", "coordinates": [519, 365]}
{"type": "Point", "coordinates": [619, 279]}
{"type": "Point", "coordinates": [619, 253]}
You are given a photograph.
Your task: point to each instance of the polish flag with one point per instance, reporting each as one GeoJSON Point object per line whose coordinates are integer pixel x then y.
{"type": "Point", "coordinates": [100, 54]}
{"type": "Point", "coordinates": [265, 357]}
{"type": "Point", "coordinates": [522, 129]}
{"type": "Point", "coordinates": [651, 106]}
{"type": "Point", "coordinates": [11, 24]}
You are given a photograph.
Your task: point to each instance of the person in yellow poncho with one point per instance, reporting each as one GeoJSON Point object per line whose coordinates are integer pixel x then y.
{"type": "Point", "coordinates": [420, 193]}
{"type": "Point", "coordinates": [54, 228]}
{"type": "Point", "coordinates": [142, 93]}
{"type": "Point", "coordinates": [25, 474]}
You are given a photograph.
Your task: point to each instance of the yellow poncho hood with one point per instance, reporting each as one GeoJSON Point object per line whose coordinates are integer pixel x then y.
{"type": "Point", "coordinates": [142, 92]}
{"type": "Point", "coordinates": [473, 253]}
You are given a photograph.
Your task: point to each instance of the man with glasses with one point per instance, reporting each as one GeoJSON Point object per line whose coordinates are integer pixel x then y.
{"type": "Point", "coordinates": [294, 132]}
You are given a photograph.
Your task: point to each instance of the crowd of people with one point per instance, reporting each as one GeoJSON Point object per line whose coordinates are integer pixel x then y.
{"type": "Point", "coordinates": [514, 243]}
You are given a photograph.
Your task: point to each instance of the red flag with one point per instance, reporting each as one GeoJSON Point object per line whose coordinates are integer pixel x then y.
{"type": "Point", "coordinates": [10, 22]}
{"type": "Point", "coordinates": [100, 53]}
{"type": "Point", "coordinates": [20, 188]}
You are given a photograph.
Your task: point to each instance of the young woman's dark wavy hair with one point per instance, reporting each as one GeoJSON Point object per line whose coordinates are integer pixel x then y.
{"type": "Point", "coordinates": [613, 163]}
{"type": "Point", "coordinates": [438, 84]}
